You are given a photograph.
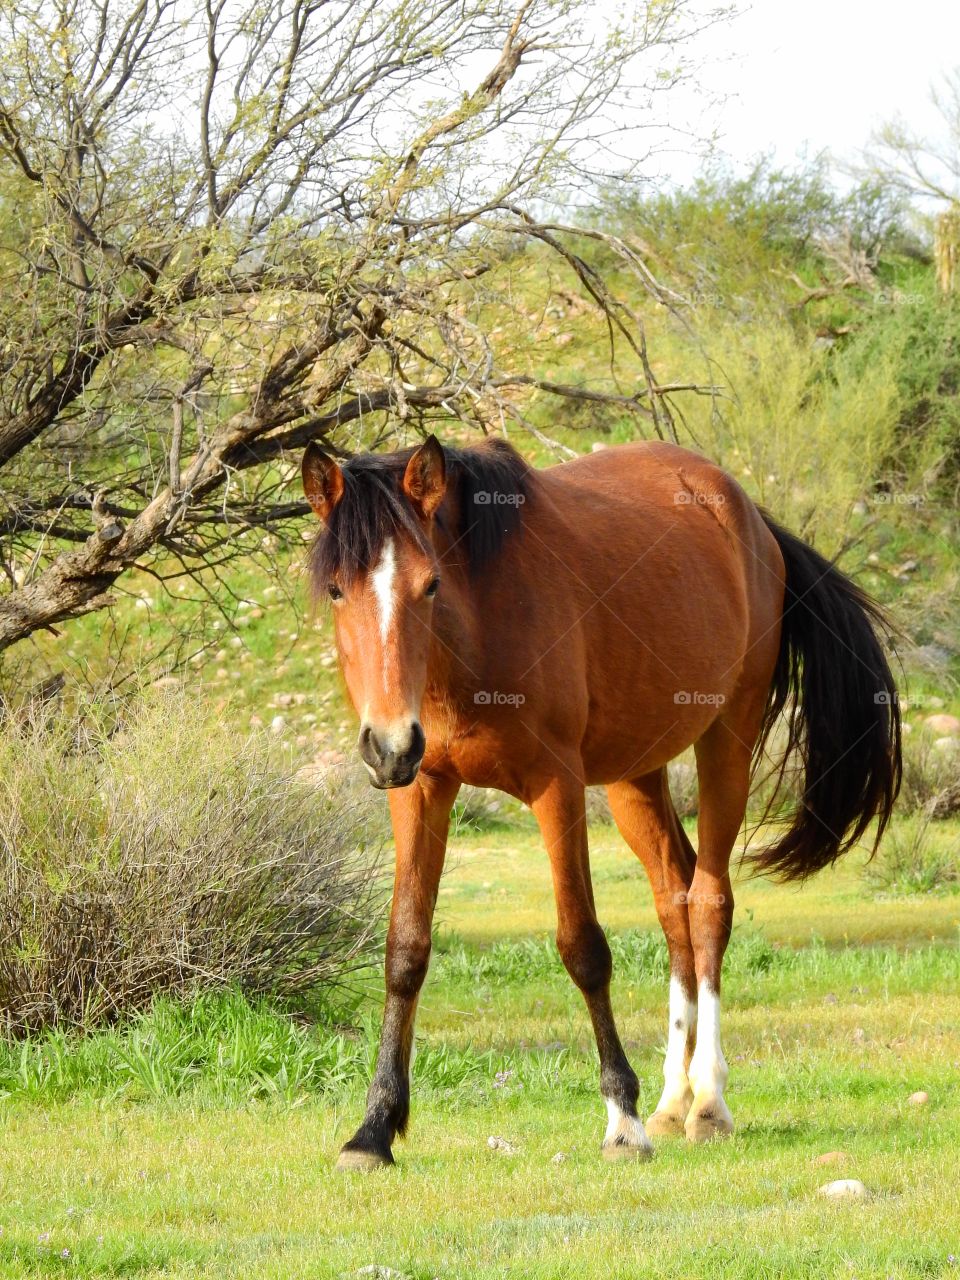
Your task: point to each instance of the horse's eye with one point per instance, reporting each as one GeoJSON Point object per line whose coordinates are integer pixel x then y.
{"type": "Point", "coordinates": [334, 591]}
{"type": "Point", "coordinates": [433, 586]}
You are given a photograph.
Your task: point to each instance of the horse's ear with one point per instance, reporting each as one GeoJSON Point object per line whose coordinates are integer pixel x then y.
{"type": "Point", "coordinates": [322, 480]}
{"type": "Point", "coordinates": [425, 479]}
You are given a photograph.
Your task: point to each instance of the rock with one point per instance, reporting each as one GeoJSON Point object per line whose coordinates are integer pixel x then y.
{"type": "Point", "coordinates": [844, 1189]}
{"type": "Point", "coordinates": [597, 447]}
{"type": "Point", "coordinates": [943, 724]}
{"type": "Point", "coordinates": [919, 1099]}
{"type": "Point", "coordinates": [277, 725]}
{"type": "Point", "coordinates": [558, 1158]}
{"type": "Point", "coordinates": [502, 1145]}
{"type": "Point", "coordinates": [830, 998]}
{"type": "Point", "coordinates": [832, 1157]}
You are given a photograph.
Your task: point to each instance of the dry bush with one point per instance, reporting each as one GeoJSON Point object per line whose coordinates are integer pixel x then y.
{"type": "Point", "coordinates": [931, 776]}
{"type": "Point", "coordinates": [684, 786]}
{"type": "Point", "coordinates": [160, 852]}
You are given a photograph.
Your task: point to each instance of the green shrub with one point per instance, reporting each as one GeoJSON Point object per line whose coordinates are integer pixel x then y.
{"type": "Point", "coordinates": [916, 856]}
{"type": "Point", "coordinates": [150, 849]}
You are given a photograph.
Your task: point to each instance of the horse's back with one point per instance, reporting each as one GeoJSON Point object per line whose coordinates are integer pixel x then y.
{"type": "Point", "coordinates": [669, 586]}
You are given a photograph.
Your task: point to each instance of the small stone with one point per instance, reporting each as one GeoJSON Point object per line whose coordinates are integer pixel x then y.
{"type": "Point", "coordinates": [844, 1189]}
{"type": "Point", "coordinates": [832, 1157]}
{"type": "Point", "coordinates": [830, 998]}
{"type": "Point", "coordinates": [558, 1158]}
{"type": "Point", "coordinates": [919, 1099]}
{"type": "Point", "coordinates": [502, 1145]}
{"type": "Point", "coordinates": [277, 725]}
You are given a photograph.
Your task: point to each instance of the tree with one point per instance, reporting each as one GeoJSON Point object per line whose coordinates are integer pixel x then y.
{"type": "Point", "coordinates": [929, 168]}
{"type": "Point", "coordinates": [229, 227]}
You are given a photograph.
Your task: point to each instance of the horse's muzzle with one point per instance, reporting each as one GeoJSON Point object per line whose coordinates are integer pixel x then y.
{"type": "Point", "coordinates": [392, 758]}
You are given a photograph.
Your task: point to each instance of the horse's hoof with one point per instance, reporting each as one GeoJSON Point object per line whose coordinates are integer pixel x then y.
{"type": "Point", "coordinates": [663, 1124]}
{"type": "Point", "coordinates": [621, 1151]}
{"type": "Point", "coordinates": [709, 1125]}
{"type": "Point", "coordinates": [350, 1161]}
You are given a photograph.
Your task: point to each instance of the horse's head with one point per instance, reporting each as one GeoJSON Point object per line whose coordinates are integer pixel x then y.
{"type": "Point", "coordinates": [376, 561]}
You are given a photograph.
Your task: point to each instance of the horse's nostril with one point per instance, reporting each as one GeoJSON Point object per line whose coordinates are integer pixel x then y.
{"type": "Point", "coordinates": [369, 746]}
{"type": "Point", "coordinates": [418, 741]}
{"type": "Point", "coordinates": [389, 758]}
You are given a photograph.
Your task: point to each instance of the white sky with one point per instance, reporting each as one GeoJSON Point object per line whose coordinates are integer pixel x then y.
{"type": "Point", "coordinates": [822, 74]}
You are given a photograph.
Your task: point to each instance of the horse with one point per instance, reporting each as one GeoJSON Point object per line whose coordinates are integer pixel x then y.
{"type": "Point", "coordinates": [539, 631]}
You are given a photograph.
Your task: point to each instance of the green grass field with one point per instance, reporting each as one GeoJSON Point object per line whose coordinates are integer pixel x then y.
{"type": "Point", "coordinates": [200, 1143]}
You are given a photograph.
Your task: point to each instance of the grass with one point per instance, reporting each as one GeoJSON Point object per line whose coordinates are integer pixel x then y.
{"type": "Point", "coordinates": [199, 1141]}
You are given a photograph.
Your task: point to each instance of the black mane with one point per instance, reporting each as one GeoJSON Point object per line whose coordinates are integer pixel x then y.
{"type": "Point", "coordinates": [373, 508]}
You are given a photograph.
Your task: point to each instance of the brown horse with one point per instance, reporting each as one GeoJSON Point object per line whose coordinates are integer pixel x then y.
{"type": "Point", "coordinates": [539, 631]}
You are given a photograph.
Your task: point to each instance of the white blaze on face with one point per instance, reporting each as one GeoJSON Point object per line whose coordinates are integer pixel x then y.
{"type": "Point", "coordinates": [676, 1086]}
{"type": "Point", "coordinates": [383, 587]}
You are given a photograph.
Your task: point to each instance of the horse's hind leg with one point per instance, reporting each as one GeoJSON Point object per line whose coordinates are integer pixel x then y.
{"type": "Point", "coordinates": [723, 765]}
{"type": "Point", "coordinates": [559, 809]}
{"type": "Point", "coordinates": [644, 813]}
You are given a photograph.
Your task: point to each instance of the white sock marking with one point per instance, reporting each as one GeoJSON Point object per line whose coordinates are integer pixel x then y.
{"type": "Point", "coordinates": [628, 1127]}
{"type": "Point", "coordinates": [708, 1067]}
{"type": "Point", "coordinates": [683, 1015]}
{"type": "Point", "coordinates": [382, 579]}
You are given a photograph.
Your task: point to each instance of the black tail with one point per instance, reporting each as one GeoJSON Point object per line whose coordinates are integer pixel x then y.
{"type": "Point", "coordinates": [845, 721]}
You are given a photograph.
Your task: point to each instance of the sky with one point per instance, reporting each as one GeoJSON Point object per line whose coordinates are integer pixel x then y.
{"type": "Point", "coordinates": [821, 74]}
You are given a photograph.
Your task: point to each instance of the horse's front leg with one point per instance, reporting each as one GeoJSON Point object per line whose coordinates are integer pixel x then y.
{"type": "Point", "coordinates": [421, 815]}
{"type": "Point", "coordinates": [559, 809]}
